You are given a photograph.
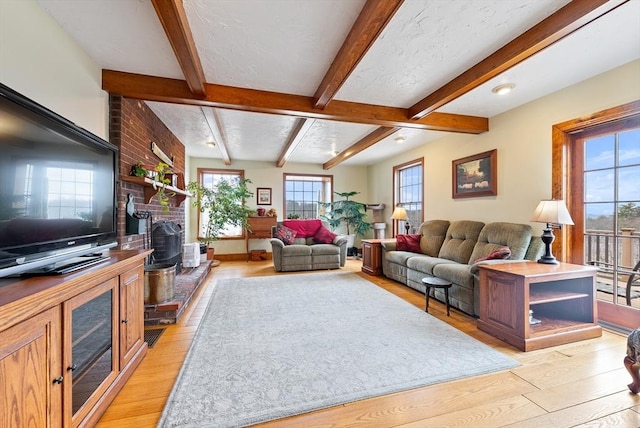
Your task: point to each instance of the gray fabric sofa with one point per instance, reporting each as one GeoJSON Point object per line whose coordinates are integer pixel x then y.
{"type": "Point", "coordinates": [448, 252]}
{"type": "Point", "coordinates": [303, 254]}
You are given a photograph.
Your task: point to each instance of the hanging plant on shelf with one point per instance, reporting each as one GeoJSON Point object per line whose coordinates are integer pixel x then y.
{"type": "Point", "coordinates": [161, 182]}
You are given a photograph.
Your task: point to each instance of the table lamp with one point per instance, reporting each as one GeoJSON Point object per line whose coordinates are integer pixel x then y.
{"type": "Point", "coordinates": [554, 213]}
{"type": "Point", "coordinates": [400, 214]}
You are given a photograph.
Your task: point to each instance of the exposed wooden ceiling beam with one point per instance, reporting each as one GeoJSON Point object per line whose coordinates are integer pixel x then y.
{"type": "Point", "coordinates": [565, 21]}
{"type": "Point", "coordinates": [176, 91]}
{"type": "Point", "coordinates": [364, 143]}
{"type": "Point", "coordinates": [213, 120]}
{"type": "Point", "coordinates": [174, 21]}
{"type": "Point", "coordinates": [295, 137]}
{"type": "Point", "coordinates": [365, 31]}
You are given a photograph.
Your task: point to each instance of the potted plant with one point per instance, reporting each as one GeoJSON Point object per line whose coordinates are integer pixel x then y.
{"type": "Point", "coordinates": [221, 205]}
{"type": "Point", "coordinates": [349, 213]}
{"type": "Point", "coordinates": [162, 176]}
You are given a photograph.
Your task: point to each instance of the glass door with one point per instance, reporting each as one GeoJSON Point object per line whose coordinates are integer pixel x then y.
{"type": "Point", "coordinates": [611, 211]}
{"type": "Point", "coordinates": [90, 355]}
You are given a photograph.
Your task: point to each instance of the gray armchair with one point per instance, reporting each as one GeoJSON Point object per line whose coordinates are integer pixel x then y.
{"type": "Point", "coordinates": [303, 254]}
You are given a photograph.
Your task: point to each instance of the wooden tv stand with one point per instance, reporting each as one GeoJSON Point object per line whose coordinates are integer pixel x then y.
{"type": "Point", "coordinates": [562, 298]}
{"type": "Point", "coordinates": [68, 343]}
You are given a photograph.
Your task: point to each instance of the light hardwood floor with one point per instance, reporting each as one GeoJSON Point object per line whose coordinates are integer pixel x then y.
{"type": "Point", "coordinates": [581, 384]}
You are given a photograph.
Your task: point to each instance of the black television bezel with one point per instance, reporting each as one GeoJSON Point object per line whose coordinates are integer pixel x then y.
{"type": "Point", "coordinates": [46, 252]}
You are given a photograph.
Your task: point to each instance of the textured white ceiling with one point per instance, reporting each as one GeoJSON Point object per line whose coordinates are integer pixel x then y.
{"type": "Point", "coordinates": [281, 46]}
{"type": "Point", "coordinates": [288, 45]}
{"type": "Point", "coordinates": [428, 43]}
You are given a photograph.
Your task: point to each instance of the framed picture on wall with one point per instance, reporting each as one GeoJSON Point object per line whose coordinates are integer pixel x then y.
{"type": "Point", "coordinates": [476, 175]}
{"type": "Point", "coordinates": [264, 195]}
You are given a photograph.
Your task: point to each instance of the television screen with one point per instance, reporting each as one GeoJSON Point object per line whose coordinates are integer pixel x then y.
{"type": "Point", "coordinates": [57, 183]}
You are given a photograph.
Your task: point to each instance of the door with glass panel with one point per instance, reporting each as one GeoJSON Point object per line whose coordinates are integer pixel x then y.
{"type": "Point", "coordinates": [611, 212]}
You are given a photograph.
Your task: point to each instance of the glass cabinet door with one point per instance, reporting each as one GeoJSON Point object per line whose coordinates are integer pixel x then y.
{"type": "Point", "coordinates": [90, 351]}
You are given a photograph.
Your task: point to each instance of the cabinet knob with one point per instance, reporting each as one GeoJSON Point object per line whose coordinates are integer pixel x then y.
{"type": "Point", "coordinates": [58, 380]}
{"type": "Point", "coordinates": [124, 321]}
{"type": "Point", "coordinates": [72, 367]}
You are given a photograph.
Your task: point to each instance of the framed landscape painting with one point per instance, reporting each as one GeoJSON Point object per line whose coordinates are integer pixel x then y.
{"type": "Point", "coordinates": [476, 175]}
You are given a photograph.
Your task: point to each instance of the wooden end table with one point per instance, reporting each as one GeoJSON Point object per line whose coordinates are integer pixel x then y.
{"type": "Point", "coordinates": [562, 298]}
{"type": "Point", "coordinates": [372, 255]}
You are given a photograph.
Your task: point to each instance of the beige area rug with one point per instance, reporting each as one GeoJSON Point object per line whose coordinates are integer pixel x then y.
{"type": "Point", "coordinates": [270, 347]}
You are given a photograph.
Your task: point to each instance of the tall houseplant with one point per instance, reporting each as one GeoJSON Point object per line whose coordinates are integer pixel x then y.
{"type": "Point", "coordinates": [349, 213]}
{"type": "Point", "coordinates": [222, 205]}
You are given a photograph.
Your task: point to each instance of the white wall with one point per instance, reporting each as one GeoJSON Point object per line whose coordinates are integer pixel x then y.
{"type": "Point", "coordinates": [39, 60]}
{"type": "Point", "coordinates": [523, 139]}
{"type": "Point", "coordinates": [266, 174]}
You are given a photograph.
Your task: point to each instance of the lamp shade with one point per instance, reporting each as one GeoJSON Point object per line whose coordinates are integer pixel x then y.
{"type": "Point", "coordinates": [399, 213]}
{"type": "Point", "coordinates": [552, 211]}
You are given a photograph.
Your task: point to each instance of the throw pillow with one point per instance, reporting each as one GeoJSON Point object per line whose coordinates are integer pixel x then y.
{"type": "Point", "coordinates": [285, 234]}
{"type": "Point", "coordinates": [409, 243]}
{"type": "Point", "coordinates": [323, 236]}
{"type": "Point", "coordinates": [500, 253]}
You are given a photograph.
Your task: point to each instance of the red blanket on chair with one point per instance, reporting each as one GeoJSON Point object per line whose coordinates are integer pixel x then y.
{"type": "Point", "coordinates": [304, 228]}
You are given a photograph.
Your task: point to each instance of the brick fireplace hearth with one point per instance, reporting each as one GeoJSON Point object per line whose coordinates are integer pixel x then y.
{"type": "Point", "coordinates": [187, 283]}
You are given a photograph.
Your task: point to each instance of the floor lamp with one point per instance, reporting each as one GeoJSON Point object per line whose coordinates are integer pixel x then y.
{"type": "Point", "coordinates": [400, 214]}
{"type": "Point", "coordinates": [553, 213]}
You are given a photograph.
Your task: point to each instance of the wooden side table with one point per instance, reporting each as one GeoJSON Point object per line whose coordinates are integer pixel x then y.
{"type": "Point", "coordinates": [435, 282]}
{"type": "Point", "coordinates": [562, 298]}
{"type": "Point", "coordinates": [372, 255]}
{"type": "Point", "coordinates": [260, 229]}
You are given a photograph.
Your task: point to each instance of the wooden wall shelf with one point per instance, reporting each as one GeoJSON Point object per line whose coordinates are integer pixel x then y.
{"type": "Point", "coordinates": [151, 188]}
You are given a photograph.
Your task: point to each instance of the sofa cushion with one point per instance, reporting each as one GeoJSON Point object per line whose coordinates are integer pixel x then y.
{"type": "Point", "coordinates": [425, 264]}
{"type": "Point", "coordinates": [535, 249]}
{"type": "Point", "coordinates": [500, 253]}
{"type": "Point", "coordinates": [433, 234]}
{"type": "Point", "coordinates": [500, 234]}
{"type": "Point", "coordinates": [458, 274]}
{"type": "Point", "coordinates": [295, 250]}
{"type": "Point", "coordinates": [323, 236]}
{"type": "Point", "coordinates": [285, 234]}
{"type": "Point", "coordinates": [324, 249]}
{"type": "Point", "coordinates": [460, 240]}
{"type": "Point", "coordinates": [409, 243]}
{"type": "Point", "coordinates": [398, 257]}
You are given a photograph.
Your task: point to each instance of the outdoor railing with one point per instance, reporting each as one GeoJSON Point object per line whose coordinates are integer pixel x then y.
{"type": "Point", "coordinates": [623, 260]}
{"type": "Point", "coordinates": [600, 248]}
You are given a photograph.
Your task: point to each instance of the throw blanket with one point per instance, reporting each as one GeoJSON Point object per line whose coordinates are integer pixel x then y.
{"type": "Point", "coordinates": [304, 228]}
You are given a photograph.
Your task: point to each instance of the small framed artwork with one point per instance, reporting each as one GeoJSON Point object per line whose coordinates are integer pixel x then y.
{"type": "Point", "coordinates": [476, 175]}
{"type": "Point", "coordinates": [264, 195]}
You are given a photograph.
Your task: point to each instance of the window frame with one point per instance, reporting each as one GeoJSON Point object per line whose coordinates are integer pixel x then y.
{"type": "Point", "coordinates": [397, 169]}
{"type": "Point", "coordinates": [326, 178]}
{"type": "Point", "coordinates": [219, 171]}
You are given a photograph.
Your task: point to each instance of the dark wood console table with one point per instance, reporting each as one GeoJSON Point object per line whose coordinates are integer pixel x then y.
{"type": "Point", "coordinates": [372, 255]}
{"type": "Point", "coordinates": [561, 297]}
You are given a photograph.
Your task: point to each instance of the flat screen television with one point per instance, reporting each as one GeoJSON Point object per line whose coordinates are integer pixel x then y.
{"type": "Point", "coordinates": [57, 188]}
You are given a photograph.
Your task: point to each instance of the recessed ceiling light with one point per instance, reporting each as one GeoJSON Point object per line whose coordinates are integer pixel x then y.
{"type": "Point", "coordinates": [400, 139]}
{"type": "Point", "coordinates": [503, 89]}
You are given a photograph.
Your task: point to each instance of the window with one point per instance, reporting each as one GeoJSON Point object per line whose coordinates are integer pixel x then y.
{"type": "Point", "coordinates": [303, 194]}
{"type": "Point", "coordinates": [209, 178]}
{"type": "Point", "coordinates": [408, 193]}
